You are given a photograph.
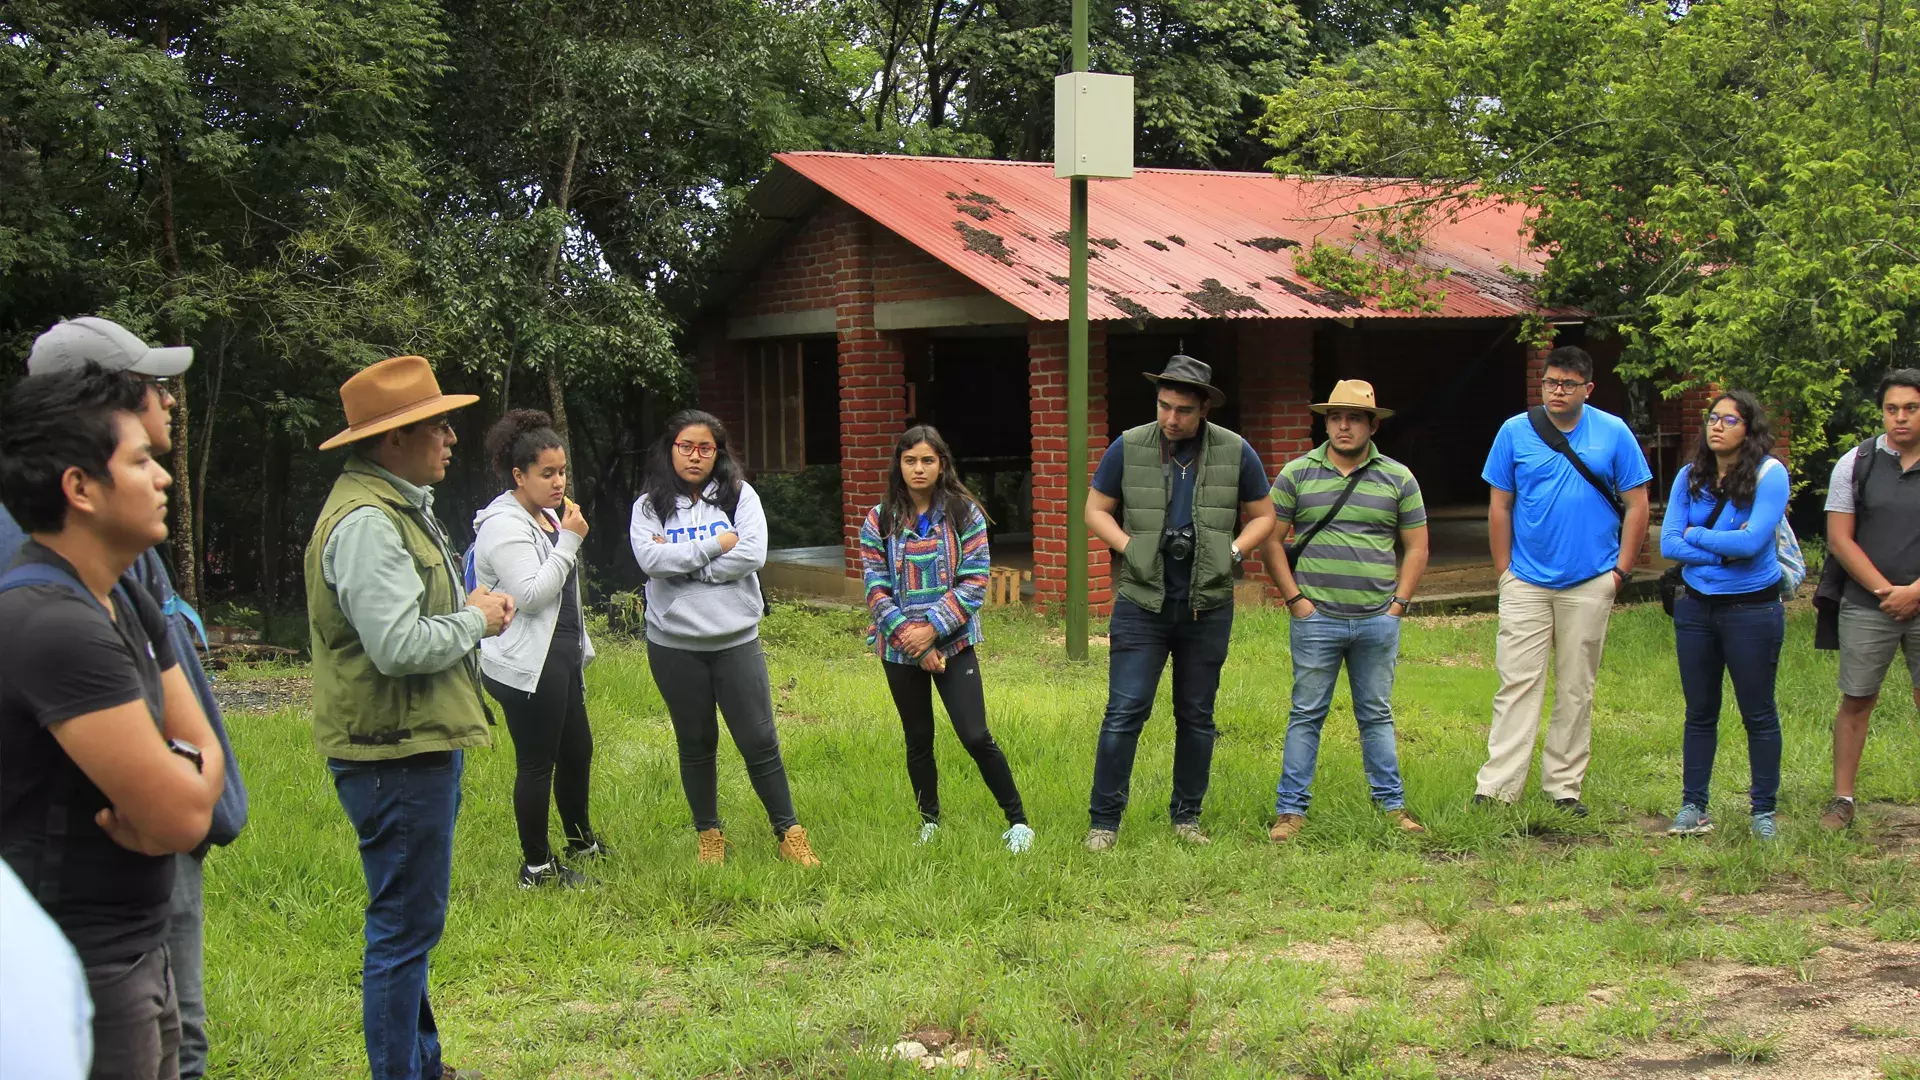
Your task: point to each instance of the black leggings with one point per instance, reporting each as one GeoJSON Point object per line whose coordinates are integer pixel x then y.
{"type": "Point", "coordinates": [735, 679]}
{"type": "Point", "coordinates": [966, 702]}
{"type": "Point", "coordinates": [554, 748]}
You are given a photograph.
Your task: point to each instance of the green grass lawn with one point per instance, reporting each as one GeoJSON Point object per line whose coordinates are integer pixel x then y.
{"type": "Point", "coordinates": [1354, 952]}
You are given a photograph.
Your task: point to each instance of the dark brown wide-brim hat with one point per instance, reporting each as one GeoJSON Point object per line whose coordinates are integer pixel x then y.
{"type": "Point", "coordinates": [1187, 371]}
{"type": "Point", "coordinates": [392, 394]}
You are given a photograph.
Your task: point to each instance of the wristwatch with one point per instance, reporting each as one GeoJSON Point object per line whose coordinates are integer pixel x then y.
{"type": "Point", "coordinates": [1235, 548]}
{"type": "Point", "coordinates": [1624, 575]}
{"type": "Point", "coordinates": [189, 751]}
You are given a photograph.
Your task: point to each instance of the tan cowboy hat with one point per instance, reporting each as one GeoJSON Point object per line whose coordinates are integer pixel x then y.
{"type": "Point", "coordinates": [1352, 394]}
{"type": "Point", "coordinates": [392, 394]}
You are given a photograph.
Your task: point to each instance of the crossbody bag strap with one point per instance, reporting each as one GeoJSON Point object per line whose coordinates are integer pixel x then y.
{"type": "Point", "coordinates": [1556, 441]}
{"type": "Point", "coordinates": [1313, 530]}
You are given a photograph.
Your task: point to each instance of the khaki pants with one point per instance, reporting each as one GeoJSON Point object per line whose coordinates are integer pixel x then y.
{"type": "Point", "coordinates": [1572, 625]}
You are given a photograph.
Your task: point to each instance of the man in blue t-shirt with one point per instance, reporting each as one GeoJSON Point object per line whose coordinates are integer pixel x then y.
{"type": "Point", "coordinates": [1167, 498]}
{"type": "Point", "coordinates": [1563, 549]}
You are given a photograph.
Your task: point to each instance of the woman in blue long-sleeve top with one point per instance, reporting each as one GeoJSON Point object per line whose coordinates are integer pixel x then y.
{"type": "Point", "coordinates": [1721, 522]}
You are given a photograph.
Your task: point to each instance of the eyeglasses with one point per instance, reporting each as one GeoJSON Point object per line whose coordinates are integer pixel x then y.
{"type": "Point", "coordinates": [701, 451]}
{"type": "Point", "coordinates": [1564, 385]}
{"type": "Point", "coordinates": [1726, 420]}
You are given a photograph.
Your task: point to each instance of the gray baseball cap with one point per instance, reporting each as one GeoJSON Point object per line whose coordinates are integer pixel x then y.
{"type": "Point", "coordinates": [73, 344]}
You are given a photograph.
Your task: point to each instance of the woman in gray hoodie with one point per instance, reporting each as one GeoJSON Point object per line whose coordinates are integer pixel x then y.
{"type": "Point", "coordinates": [527, 545]}
{"type": "Point", "coordinates": [700, 537]}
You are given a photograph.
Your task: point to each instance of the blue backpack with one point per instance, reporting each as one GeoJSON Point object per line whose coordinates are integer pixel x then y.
{"type": "Point", "coordinates": [471, 569]}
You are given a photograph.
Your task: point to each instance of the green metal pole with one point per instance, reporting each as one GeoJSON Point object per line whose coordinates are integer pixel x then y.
{"type": "Point", "coordinates": [1077, 388]}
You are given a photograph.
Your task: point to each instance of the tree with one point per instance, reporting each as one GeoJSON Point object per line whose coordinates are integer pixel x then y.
{"type": "Point", "coordinates": [1730, 186]}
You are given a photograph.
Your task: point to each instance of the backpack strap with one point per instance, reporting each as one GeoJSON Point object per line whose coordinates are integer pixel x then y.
{"type": "Point", "coordinates": [1863, 460]}
{"type": "Point", "coordinates": [1293, 550]}
{"type": "Point", "coordinates": [1556, 441]}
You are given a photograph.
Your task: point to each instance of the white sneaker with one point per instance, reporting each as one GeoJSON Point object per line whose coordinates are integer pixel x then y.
{"type": "Point", "coordinates": [1019, 838]}
{"type": "Point", "coordinates": [927, 832]}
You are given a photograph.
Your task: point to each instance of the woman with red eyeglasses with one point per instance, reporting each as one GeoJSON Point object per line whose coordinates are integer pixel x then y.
{"type": "Point", "coordinates": [701, 538]}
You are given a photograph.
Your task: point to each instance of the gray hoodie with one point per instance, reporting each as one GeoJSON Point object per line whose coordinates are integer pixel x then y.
{"type": "Point", "coordinates": [699, 599]}
{"type": "Point", "coordinates": [512, 554]}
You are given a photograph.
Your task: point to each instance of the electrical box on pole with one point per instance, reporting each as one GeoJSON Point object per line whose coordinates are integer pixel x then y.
{"type": "Point", "coordinates": [1093, 126]}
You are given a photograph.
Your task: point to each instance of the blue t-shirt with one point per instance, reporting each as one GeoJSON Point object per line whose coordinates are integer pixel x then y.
{"type": "Point", "coordinates": [1564, 532]}
{"type": "Point", "coordinates": [1737, 554]}
{"type": "Point", "coordinates": [1178, 574]}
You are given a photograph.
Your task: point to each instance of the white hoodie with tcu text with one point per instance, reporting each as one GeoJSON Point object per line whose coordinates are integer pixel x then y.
{"type": "Point", "coordinates": [699, 598]}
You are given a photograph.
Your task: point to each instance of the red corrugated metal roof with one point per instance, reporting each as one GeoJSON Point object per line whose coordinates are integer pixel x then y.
{"type": "Point", "coordinates": [1164, 235]}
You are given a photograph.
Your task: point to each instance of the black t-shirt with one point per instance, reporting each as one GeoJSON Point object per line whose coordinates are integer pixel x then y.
{"type": "Point", "coordinates": [61, 657]}
{"type": "Point", "coordinates": [568, 643]}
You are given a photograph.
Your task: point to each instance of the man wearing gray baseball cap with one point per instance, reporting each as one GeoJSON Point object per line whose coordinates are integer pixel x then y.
{"type": "Point", "coordinates": [75, 343]}
{"type": "Point", "coordinates": [68, 348]}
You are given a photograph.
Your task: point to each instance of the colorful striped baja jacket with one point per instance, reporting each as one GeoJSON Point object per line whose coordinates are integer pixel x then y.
{"type": "Point", "coordinates": [928, 573]}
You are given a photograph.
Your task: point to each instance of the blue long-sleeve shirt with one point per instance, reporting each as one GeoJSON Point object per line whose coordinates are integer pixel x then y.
{"type": "Point", "coordinates": [1737, 555]}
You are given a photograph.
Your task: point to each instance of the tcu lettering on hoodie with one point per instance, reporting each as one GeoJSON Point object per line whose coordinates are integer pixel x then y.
{"type": "Point", "coordinates": [698, 598]}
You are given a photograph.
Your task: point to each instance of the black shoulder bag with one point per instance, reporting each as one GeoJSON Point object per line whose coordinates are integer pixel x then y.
{"type": "Point", "coordinates": [1294, 549]}
{"type": "Point", "coordinates": [1670, 581]}
{"type": "Point", "coordinates": [1556, 441]}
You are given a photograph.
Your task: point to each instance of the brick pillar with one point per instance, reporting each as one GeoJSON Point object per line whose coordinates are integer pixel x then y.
{"type": "Point", "coordinates": [1047, 378]}
{"type": "Point", "coordinates": [872, 383]}
{"type": "Point", "coordinates": [1536, 370]}
{"type": "Point", "coordinates": [722, 389]}
{"type": "Point", "coordinates": [1276, 370]}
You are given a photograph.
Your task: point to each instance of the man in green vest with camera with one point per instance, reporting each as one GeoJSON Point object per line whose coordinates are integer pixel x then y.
{"type": "Point", "coordinates": [396, 688]}
{"type": "Point", "coordinates": [1166, 498]}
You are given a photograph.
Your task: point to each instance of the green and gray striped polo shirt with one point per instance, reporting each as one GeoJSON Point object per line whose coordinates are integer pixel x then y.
{"type": "Point", "coordinates": [1349, 569]}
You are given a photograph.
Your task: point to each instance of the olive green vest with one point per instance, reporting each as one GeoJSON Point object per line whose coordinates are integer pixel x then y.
{"type": "Point", "coordinates": [1145, 487]}
{"type": "Point", "coordinates": [358, 713]}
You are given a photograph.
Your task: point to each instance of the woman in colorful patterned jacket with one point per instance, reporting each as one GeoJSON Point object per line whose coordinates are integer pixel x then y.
{"type": "Point", "coordinates": [925, 552]}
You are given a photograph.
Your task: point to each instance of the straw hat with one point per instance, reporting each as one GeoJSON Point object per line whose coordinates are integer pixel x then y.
{"type": "Point", "coordinates": [392, 394]}
{"type": "Point", "coordinates": [1352, 394]}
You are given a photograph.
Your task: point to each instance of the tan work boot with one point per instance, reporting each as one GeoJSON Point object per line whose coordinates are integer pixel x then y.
{"type": "Point", "coordinates": [713, 847]}
{"type": "Point", "coordinates": [1839, 815]}
{"type": "Point", "coordinates": [1404, 822]}
{"type": "Point", "coordinates": [1102, 839]}
{"type": "Point", "coordinates": [795, 849]}
{"type": "Point", "coordinates": [1190, 832]}
{"type": "Point", "coordinates": [1286, 827]}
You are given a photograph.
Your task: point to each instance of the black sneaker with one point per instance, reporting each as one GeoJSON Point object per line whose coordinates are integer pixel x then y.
{"type": "Point", "coordinates": [551, 872]}
{"type": "Point", "coordinates": [587, 847]}
{"type": "Point", "coordinates": [1484, 800]}
{"type": "Point", "coordinates": [1572, 806]}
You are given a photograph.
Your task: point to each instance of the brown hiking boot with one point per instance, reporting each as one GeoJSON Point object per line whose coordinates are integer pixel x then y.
{"type": "Point", "coordinates": [713, 847]}
{"type": "Point", "coordinates": [1286, 828]}
{"type": "Point", "coordinates": [795, 849]}
{"type": "Point", "coordinates": [1404, 822]}
{"type": "Point", "coordinates": [1839, 815]}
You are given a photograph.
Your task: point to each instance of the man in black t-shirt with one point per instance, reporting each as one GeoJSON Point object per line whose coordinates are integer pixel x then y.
{"type": "Point", "coordinates": [107, 764]}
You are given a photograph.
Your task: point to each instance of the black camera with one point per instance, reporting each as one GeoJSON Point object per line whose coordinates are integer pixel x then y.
{"type": "Point", "coordinates": [1178, 543]}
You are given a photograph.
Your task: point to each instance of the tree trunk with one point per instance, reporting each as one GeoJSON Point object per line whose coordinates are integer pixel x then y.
{"type": "Point", "coordinates": [273, 504]}
{"type": "Point", "coordinates": [206, 448]}
{"type": "Point", "coordinates": [556, 382]}
{"type": "Point", "coordinates": [186, 559]}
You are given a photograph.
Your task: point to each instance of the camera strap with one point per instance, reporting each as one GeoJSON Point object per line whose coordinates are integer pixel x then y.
{"type": "Point", "coordinates": [1313, 530]}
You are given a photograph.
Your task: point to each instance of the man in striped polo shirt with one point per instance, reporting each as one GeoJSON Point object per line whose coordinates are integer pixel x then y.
{"type": "Point", "coordinates": [1348, 504]}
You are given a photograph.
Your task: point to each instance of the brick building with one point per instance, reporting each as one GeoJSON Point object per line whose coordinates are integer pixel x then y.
{"type": "Point", "coordinates": [863, 292]}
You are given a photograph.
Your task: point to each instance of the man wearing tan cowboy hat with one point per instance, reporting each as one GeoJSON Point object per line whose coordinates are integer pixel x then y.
{"type": "Point", "coordinates": [1166, 498]}
{"type": "Point", "coordinates": [396, 689]}
{"type": "Point", "coordinates": [1345, 505]}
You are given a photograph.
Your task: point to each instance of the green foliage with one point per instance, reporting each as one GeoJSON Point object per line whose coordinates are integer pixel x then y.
{"type": "Point", "coordinates": [1371, 278]}
{"type": "Point", "coordinates": [1728, 186]}
{"type": "Point", "coordinates": [944, 76]}
{"type": "Point", "coordinates": [803, 508]}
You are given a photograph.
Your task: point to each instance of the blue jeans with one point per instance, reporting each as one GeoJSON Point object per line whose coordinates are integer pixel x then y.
{"type": "Point", "coordinates": [1369, 647]}
{"type": "Point", "coordinates": [403, 811]}
{"type": "Point", "coordinates": [1742, 640]}
{"type": "Point", "coordinates": [1142, 641]}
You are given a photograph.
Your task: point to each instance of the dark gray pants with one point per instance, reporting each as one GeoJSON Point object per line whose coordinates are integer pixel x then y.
{"type": "Point", "coordinates": [692, 684]}
{"type": "Point", "coordinates": [185, 945]}
{"type": "Point", "coordinates": [136, 1019]}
